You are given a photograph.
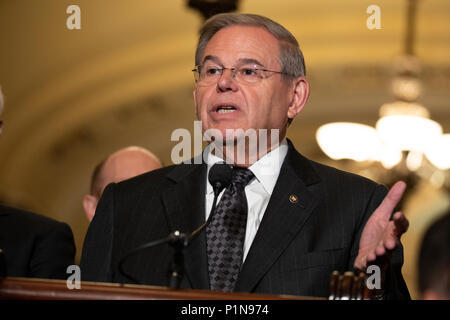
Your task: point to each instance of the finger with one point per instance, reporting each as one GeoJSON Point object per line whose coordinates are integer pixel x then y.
{"type": "Point", "coordinates": [397, 215]}
{"type": "Point", "coordinates": [371, 257]}
{"type": "Point", "coordinates": [364, 262]}
{"type": "Point", "coordinates": [390, 244]}
{"type": "Point", "coordinates": [391, 200]}
{"type": "Point", "coordinates": [401, 223]}
{"type": "Point", "coordinates": [379, 251]}
{"type": "Point", "coordinates": [360, 263]}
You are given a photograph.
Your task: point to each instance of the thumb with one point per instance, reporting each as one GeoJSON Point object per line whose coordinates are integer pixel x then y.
{"type": "Point", "coordinates": [391, 200]}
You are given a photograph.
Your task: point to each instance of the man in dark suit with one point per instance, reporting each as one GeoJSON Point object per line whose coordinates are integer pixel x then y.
{"type": "Point", "coordinates": [33, 245]}
{"type": "Point", "coordinates": [121, 165]}
{"type": "Point", "coordinates": [303, 219]}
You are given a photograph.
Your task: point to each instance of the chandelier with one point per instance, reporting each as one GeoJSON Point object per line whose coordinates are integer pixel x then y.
{"type": "Point", "coordinates": [404, 130]}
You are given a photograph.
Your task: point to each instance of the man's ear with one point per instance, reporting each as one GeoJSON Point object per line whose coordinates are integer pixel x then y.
{"type": "Point", "coordinates": [194, 94]}
{"type": "Point", "coordinates": [89, 205]}
{"type": "Point", "coordinates": [299, 98]}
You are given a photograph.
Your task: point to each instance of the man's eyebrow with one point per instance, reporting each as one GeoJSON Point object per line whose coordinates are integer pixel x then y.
{"type": "Point", "coordinates": [250, 61]}
{"type": "Point", "coordinates": [216, 59]}
{"type": "Point", "coordinates": [212, 58]}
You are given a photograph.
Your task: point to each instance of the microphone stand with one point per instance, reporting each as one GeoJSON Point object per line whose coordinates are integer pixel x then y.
{"type": "Point", "coordinates": [178, 241]}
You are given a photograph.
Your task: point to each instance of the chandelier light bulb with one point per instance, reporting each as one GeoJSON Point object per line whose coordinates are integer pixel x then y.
{"type": "Point", "coordinates": [438, 152]}
{"type": "Point", "coordinates": [408, 133]}
{"type": "Point", "coordinates": [346, 140]}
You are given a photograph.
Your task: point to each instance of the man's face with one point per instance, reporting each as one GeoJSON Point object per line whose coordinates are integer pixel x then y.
{"type": "Point", "coordinates": [264, 104]}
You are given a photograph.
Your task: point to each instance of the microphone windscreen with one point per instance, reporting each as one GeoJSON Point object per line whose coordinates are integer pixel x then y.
{"type": "Point", "coordinates": [220, 176]}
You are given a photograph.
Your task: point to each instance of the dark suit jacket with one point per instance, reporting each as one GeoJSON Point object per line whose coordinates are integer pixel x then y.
{"type": "Point", "coordinates": [295, 250]}
{"type": "Point", "coordinates": [35, 246]}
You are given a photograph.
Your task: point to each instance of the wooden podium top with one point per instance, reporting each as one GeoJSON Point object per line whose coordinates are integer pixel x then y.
{"type": "Point", "coordinates": [45, 289]}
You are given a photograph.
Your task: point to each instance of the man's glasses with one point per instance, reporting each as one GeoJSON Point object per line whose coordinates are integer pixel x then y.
{"type": "Point", "coordinates": [209, 74]}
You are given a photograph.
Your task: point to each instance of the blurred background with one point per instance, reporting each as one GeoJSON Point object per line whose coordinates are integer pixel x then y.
{"type": "Point", "coordinates": [72, 97]}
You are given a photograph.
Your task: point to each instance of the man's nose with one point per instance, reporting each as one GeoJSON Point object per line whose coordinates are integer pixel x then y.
{"type": "Point", "coordinates": [227, 81]}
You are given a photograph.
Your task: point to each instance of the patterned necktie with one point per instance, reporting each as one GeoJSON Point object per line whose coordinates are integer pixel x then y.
{"type": "Point", "coordinates": [226, 233]}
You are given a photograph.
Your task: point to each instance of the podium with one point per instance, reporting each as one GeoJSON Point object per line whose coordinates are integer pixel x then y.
{"type": "Point", "coordinates": [342, 287]}
{"type": "Point", "coordinates": [45, 289]}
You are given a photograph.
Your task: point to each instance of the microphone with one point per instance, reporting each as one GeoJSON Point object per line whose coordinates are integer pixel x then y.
{"type": "Point", "coordinates": [219, 177]}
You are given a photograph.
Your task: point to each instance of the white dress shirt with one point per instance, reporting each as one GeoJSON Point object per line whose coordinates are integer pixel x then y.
{"type": "Point", "coordinates": [258, 191]}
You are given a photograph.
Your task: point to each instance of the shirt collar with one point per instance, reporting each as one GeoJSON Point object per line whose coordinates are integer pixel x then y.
{"type": "Point", "coordinates": [266, 169]}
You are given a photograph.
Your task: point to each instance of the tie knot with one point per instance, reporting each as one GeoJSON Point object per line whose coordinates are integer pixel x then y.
{"type": "Point", "coordinates": [241, 176]}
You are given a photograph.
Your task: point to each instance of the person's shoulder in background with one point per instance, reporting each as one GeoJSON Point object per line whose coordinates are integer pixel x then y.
{"type": "Point", "coordinates": [34, 245]}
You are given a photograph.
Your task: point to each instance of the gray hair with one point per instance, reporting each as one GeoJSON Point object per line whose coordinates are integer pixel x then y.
{"type": "Point", "coordinates": [291, 57]}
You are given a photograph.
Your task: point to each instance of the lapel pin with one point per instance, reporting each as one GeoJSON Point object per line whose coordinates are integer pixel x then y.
{"type": "Point", "coordinates": [293, 198]}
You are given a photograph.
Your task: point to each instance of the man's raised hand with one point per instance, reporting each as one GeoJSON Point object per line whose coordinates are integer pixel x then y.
{"type": "Point", "coordinates": [381, 234]}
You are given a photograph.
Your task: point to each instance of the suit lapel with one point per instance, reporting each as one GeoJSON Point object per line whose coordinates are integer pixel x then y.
{"type": "Point", "coordinates": [289, 208]}
{"type": "Point", "coordinates": [185, 207]}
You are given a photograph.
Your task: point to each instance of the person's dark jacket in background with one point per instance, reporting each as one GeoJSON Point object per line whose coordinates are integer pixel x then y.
{"type": "Point", "coordinates": [35, 246]}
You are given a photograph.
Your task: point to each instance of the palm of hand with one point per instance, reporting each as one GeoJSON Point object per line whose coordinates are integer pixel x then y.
{"type": "Point", "coordinates": [380, 234]}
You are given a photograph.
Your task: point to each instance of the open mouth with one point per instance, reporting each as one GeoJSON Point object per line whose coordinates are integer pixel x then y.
{"type": "Point", "coordinates": [225, 109]}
